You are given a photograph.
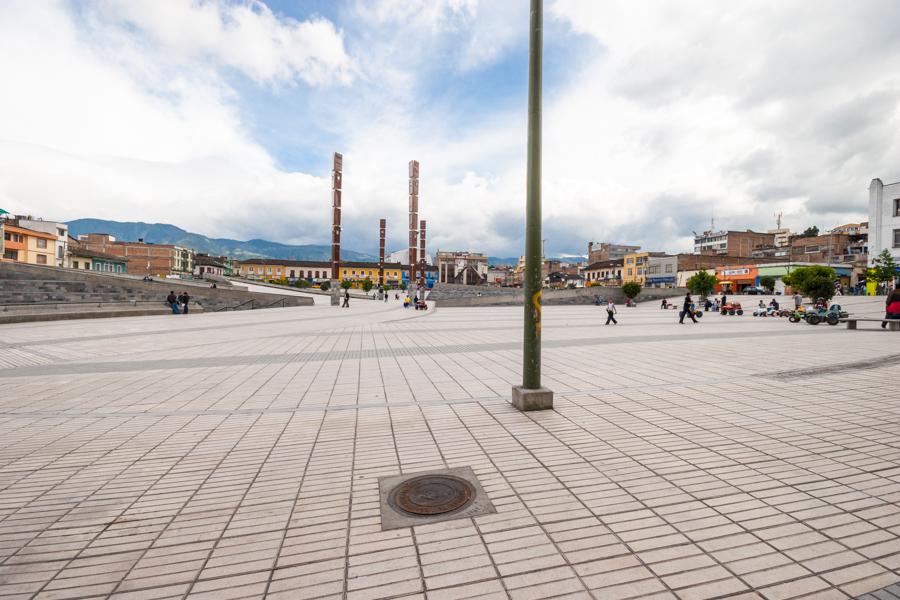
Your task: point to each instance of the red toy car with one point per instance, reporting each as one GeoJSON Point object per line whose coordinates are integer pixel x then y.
{"type": "Point", "coordinates": [732, 308]}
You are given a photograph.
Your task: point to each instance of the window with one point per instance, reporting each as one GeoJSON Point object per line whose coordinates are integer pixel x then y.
{"type": "Point", "coordinates": [669, 268]}
{"type": "Point", "coordinates": [897, 207]}
{"type": "Point", "coordinates": [87, 266]}
{"type": "Point", "coordinates": [12, 254]}
{"type": "Point", "coordinates": [629, 272]}
{"type": "Point", "coordinates": [42, 258]}
{"type": "Point", "coordinates": [75, 264]}
{"type": "Point", "coordinates": [12, 237]}
{"type": "Point", "coordinates": [897, 238]}
{"type": "Point", "coordinates": [317, 274]}
{"type": "Point", "coordinates": [42, 243]}
{"type": "Point", "coordinates": [250, 269]}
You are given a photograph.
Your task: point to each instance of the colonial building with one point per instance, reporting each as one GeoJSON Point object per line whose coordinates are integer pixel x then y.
{"type": "Point", "coordinates": [270, 269]}
{"type": "Point", "coordinates": [604, 272]}
{"type": "Point", "coordinates": [206, 265]}
{"type": "Point", "coordinates": [91, 260]}
{"type": "Point", "coordinates": [884, 219]}
{"type": "Point", "coordinates": [467, 268]}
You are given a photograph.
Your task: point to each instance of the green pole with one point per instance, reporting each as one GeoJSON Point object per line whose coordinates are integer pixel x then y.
{"type": "Point", "coordinates": [531, 367]}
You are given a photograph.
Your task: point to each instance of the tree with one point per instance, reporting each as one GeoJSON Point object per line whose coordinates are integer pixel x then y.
{"type": "Point", "coordinates": [403, 285]}
{"type": "Point", "coordinates": [809, 232]}
{"type": "Point", "coordinates": [884, 269]}
{"type": "Point", "coordinates": [813, 281]}
{"type": "Point", "coordinates": [346, 284]}
{"type": "Point", "coordinates": [367, 285]}
{"type": "Point", "coordinates": [702, 283]}
{"type": "Point", "coordinates": [325, 286]}
{"type": "Point", "coordinates": [631, 289]}
{"type": "Point", "coordinates": [767, 282]}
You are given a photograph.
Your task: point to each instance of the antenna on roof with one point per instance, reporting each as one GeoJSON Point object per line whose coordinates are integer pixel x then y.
{"type": "Point", "coordinates": [778, 219]}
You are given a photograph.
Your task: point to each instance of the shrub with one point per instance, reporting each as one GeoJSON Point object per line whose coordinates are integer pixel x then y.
{"type": "Point", "coordinates": [814, 281]}
{"type": "Point", "coordinates": [767, 282]}
{"type": "Point", "coordinates": [702, 283]}
{"type": "Point", "coordinates": [325, 286]}
{"type": "Point", "coordinates": [367, 285]}
{"type": "Point", "coordinates": [631, 289]}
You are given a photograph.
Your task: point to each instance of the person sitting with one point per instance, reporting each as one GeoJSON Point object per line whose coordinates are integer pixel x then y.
{"type": "Point", "coordinates": [761, 304]}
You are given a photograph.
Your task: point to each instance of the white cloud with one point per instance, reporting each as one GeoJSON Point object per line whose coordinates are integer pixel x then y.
{"type": "Point", "coordinates": [245, 35]}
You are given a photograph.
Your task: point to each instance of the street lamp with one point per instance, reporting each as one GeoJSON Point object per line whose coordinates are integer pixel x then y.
{"type": "Point", "coordinates": [530, 395]}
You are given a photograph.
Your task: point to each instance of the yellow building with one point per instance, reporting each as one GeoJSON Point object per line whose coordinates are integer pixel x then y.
{"type": "Point", "coordinates": [28, 246]}
{"type": "Point", "coordinates": [357, 272]}
{"type": "Point", "coordinates": [635, 267]}
{"type": "Point", "coordinates": [272, 269]}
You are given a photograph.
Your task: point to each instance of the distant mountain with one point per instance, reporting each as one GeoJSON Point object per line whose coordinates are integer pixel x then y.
{"type": "Point", "coordinates": [162, 233]}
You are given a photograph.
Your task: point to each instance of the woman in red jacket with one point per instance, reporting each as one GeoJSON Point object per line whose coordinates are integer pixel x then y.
{"type": "Point", "coordinates": [892, 307]}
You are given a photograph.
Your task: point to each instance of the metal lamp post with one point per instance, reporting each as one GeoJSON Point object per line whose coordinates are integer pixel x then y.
{"type": "Point", "coordinates": [530, 395]}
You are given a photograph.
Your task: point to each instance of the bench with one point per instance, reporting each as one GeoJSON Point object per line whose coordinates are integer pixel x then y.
{"type": "Point", "coordinates": [893, 325]}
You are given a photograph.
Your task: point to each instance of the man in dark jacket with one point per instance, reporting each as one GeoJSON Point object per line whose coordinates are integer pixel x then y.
{"type": "Point", "coordinates": [172, 301]}
{"type": "Point", "coordinates": [185, 298]}
{"type": "Point", "coordinates": [686, 309]}
{"type": "Point", "coordinates": [346, 303]}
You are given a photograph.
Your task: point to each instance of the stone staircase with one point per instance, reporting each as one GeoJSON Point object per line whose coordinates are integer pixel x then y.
{"type": "Point", "coordinates": [32, 292]}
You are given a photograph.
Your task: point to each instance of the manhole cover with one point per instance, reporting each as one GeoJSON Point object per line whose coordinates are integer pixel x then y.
{"type": "Point", "coordinates": [432, 495]}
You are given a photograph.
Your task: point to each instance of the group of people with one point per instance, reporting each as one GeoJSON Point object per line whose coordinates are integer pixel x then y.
{"type": "Point", "coordinates": [180, 303]}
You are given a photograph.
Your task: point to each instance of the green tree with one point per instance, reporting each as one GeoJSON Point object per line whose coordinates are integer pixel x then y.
{"type": "Point", "coordinates": [884, 268]}
{"type": "Point", "coordinates": [767, 282]}
{"type": "Point", "coordinates": [403, 285]}
{"type": "Point", "coordinates": [325, 286]}
{"type": "Point", "coordinates": [367, 285]}
{"type": "Point", "coordinates": [809, 232]}
{"type": "Point", "coordinates": [631, 289]}
{"type": "Point", "coordinates": [814, 281]}
{"type": "Point", "coordinates": [346, 284]}
{"type": "Point", "coordinates": [702, 283]}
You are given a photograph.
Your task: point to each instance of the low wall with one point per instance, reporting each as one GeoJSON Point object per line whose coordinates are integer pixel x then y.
{"type": "Point", "coordinates": [515, 296]}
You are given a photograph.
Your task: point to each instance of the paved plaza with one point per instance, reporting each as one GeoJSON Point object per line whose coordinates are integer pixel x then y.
{"type": "Point", "coordinates": [237, 455]}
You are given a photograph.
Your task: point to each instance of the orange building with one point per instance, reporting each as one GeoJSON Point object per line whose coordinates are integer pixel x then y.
{"type": "Point", "coordinates": [735, 278]}
{"type": "Point", "coordinates": [28, 246]}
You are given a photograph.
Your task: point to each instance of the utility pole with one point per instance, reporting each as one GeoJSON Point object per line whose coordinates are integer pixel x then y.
{"type": "Point", "coordinates": [530, 395]}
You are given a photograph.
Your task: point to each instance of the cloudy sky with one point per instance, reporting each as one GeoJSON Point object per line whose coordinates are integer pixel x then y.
{"type": "Point", "coordinates": [221, 116]}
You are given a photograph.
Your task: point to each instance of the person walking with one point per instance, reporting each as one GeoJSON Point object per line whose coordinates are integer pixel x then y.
{"type": "Point", "coordinates": [611, 313]}
{"type": "Point", "coordinates": [798, 301]}
{"type": "Point", "coordinates": [185, 300]}
{"type": "Point", "coordinates": [891, 307]}
{"type": "Point", "coordinates": [346, 303]}
{"type": "Point", "coordinates": [687, 310]}
{"type": "Point", "coordinates": [172, 301]}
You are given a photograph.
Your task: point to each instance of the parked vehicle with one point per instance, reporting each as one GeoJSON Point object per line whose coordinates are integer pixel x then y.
{"type": "Point", "coordinates": [754, 291]}
{"type": "Point", "coordinates": [732, 308]}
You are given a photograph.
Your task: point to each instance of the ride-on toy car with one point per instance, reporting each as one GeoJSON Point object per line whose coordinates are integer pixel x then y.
{"type": "Point", "coordinates": [732, 308]}
{"type": "Point", "coordinates": [832, 315]}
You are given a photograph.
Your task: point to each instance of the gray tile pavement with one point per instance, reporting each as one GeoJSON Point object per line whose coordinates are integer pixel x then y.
{"type": "Point", "coordinates": [237, 455]}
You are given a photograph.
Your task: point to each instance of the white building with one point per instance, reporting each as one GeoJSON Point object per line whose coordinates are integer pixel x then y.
{"type": "Point", "coordinates": [402, 257]}
{"type": "Point", "coordinates": [60, 230]}
{"type": "Point", "coordinates": [884, 219]}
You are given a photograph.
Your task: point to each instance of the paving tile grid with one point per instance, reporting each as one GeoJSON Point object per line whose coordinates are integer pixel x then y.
{"type": "Point", "coordinates": [724, 459]}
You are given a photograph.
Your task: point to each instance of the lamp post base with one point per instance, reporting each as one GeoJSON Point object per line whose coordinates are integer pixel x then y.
{"type": "Point", "coordinates": [539, 399]}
